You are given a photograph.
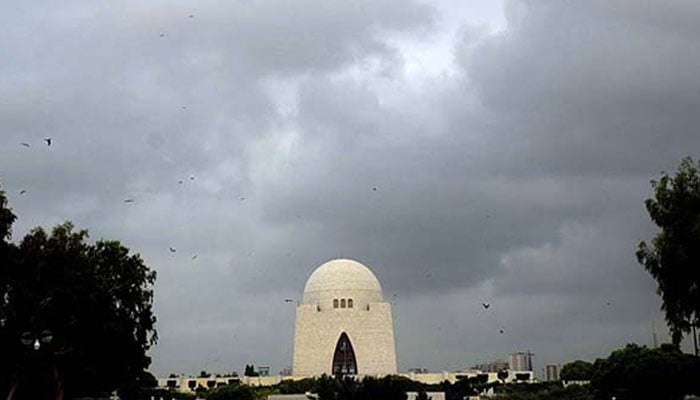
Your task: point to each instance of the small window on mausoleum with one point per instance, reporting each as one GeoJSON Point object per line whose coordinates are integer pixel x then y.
{"type": "Point", "coordinates": [349, 303]}
{"type": "Point", "coordinates": [335, 303]}
{"type": "Point", "coordinates": [342, 303]}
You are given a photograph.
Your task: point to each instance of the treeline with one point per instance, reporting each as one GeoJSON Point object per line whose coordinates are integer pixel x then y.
{"type": "Point", "coordinates": [633, 372]}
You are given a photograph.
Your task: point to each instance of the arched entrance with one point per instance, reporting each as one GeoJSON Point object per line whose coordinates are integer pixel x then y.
{"type": "Point", "coordinates": [344, 362]}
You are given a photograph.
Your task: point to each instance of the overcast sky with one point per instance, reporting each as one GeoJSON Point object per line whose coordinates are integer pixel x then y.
{"type": "Point", "coordinates": [466, 151]}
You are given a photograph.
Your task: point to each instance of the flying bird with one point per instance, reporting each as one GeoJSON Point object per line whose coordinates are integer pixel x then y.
{"type": "Point", "coordinates": [242, 198]}
{"type": "Point", "coordinates": [486, 305]}
{"type": "Point", "coordinates": [162, 35]}
{"type": "Point", "coordinates": [191, 16]}
{"type": "Point", "coordinates": [22, 191]}
{"type": "Point", "coordinates": [129, 201]}
{"type": "Point", "coordinates": [48, 141]}
{"type": "Point", "coordinates": [172, 249]}
{"type": "Point", "coordinates": [180, 182]}
{"type": "Point", "coordinates": [191, 178]}
{"type": "Point", "coordinates": [25, 144]}
{"type": "Point", "coordinates": [500, 331]}
{"type": "Point", "coordinates": [194, 257]}
{"type": "Point", "coordinates": [374, 189]}
{"type": "Point", "coordinates": [288, 300]}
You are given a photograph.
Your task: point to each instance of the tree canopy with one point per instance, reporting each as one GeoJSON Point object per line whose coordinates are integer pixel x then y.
{"type": "Point", "coordinates": [72, 313]}
{"type": "Point", "coordinates": [673, 256]}
{"type": "Point", "coordinates": [637, 372]}
{"type": "Point", "coordinates": [578, 370]}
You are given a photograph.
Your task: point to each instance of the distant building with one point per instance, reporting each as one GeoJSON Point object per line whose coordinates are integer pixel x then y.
{"type": "Point", "coordinates": [521, 361]}
{"type": "Point", "coordinates": [493, 366]}
{"type": "Point", "coordinates": [551, 372]}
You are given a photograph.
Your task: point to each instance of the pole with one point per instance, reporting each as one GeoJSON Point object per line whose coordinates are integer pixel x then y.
{"type": "Point", "coordinates": [695, 340]}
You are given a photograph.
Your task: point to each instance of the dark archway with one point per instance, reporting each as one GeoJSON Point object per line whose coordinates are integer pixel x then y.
{"type": "Point", "coordinates": [344, 362]}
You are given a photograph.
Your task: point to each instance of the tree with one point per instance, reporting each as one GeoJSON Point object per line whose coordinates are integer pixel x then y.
{"type": "Point", "coordinates": [422, 395]}
{"type": "Point", "coordinates": [7, 218]}
{"type": "Point", "coordinates": [231, 392]}
{"type": "Point", "coordinates": [637, 372]}
{"type": "Point", "coordinates": [673, 257]}
{"type": "Point", "coordinates": [250, 370]}
{"type": "Point", "coordinates": [578, 370]}
{"type": "Point", "coordinates": [69, 309]}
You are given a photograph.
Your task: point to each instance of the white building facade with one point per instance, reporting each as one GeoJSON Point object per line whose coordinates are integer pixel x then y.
{"type": "Point", "coordinates": [343, 325]}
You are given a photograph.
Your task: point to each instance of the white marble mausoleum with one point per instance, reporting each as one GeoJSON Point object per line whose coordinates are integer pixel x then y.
{"type": "Point", "coordinates": [343, 325]}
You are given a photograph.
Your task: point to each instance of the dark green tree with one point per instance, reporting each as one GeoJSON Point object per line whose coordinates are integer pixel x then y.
{"type": "Point", "coordinates": [673, 256]}
{"type": "Point", "coordinates": [578, 370]}
{"type": "Point", "coordinates": [422, 395]}
{"type": "Point", "coordinates": [7, 218]}
{"type": "Point", "coordinates": [250, 370]}
{"type": "Point", "coordinates": [68, 310]}
{"type": "Point", "coordinates": [290, 386]}
{"type": "Point", "coordinates": [231, 392]}
{"type": "Point", "coordinates": [385, 388]}
{"type": "Point", "coordinates": [327, 388]}
{"type": "Point", "coordinates": [502, 375]}
{"type": "Point", "coordinates": [637, 372]}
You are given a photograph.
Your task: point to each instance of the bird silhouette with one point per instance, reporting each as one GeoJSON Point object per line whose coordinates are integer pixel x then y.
{"type": "Point", "coordinates": [48, 141]}
{"type": "Point", "coordinates": [22, 191]}
{"type": "Point", "coordinates": [25, 144]}
{"type": "Point", "coordinates": [500, 331]}
{"type": "Point", "coordinates": [172, 250]}
{"type": "Point", "coordinates": [374, 189]}
{"type": "Point", "coordinates": [191, 178]}
{"type": "Point", "coordinates": [129, 201]}
{"type": "Point", "coordinates": [194, 257]}
{"type": "Point", "coordinates": [162, 35]}
{"type": "Point", "coordinates": [180, 182]}
{"type": "Point", "coordinates": [486, 305]}
{"type": "Point", "coordinates": [191, 16]}
{"type": "Point", "coordinates": [288, 300]}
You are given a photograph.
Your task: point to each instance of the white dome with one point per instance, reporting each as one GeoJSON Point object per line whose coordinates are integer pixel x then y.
{"type": "Point", "coordinates": [342, 278]}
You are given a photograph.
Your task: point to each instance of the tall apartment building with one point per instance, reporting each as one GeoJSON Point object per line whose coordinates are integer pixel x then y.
{"type": "Point", "coordinates": [551, 372]}
{"type": "Point", "coordinates": [521, 361]}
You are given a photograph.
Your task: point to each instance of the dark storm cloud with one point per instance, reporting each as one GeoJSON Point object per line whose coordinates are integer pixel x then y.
{"type": "Point", "coordinates": [514, 176]}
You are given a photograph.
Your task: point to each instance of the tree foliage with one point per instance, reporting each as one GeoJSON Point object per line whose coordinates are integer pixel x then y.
{"type": "Point", "coordinates": [578, 370]}
{"type": "Point", "coordinates": [231, 392]}
{"type": "Point", "coordinates": [673, 257]}
{"type": "Point", "coordinates": [74, 316]}
{"type": "Point", "coordinates": [369, 388]}
{"type": "Point", "coordinates": [637, 372]}
{"type": "Point", "coordinates": [543, 391]}
{"type": "Point", "coordinates": [290, 386]}
{"type": "Point", "coordinates": [250, 370]}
